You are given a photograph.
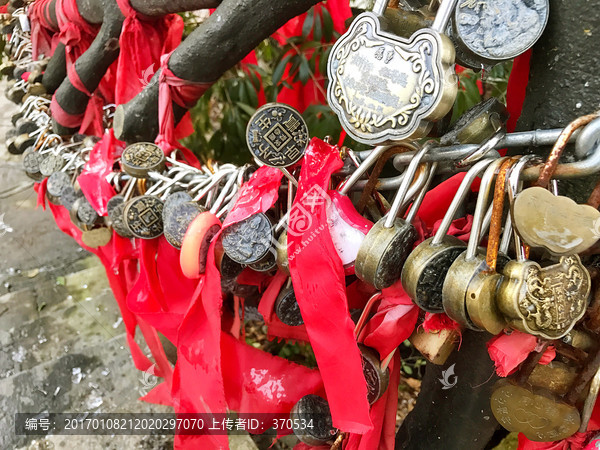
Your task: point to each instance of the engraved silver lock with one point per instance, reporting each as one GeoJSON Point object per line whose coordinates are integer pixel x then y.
{"type": "Point", "coordinates": [385, 88]}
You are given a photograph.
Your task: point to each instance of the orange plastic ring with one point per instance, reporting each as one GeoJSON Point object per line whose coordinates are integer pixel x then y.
{"type": "Point", "coordinates": [194, 248]}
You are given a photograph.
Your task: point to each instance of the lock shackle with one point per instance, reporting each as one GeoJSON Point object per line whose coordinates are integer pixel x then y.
{"type": "Point", "coordinates": [459, 197]}
{"type": "Point", "coordinates": [442, 17]}
{"type": "Point", "coordinates": [364, 166]}
{"type": "Point", "coordinates": [380, 7]}
{"type": "Point", "coordinates": [552, 162]}
{"type": "Point", "coordinates": [421, 195]}
{"type": "Point", "coordinates": [419, 182]}
{"type": "Point", "coordinates": [482, 200]}
{"type": "Point", "coordinates": [400, 197]}
{"type": "Point", "coordinates": [515, 184]}
{"type": "Point", "coordinates": [491, 257]}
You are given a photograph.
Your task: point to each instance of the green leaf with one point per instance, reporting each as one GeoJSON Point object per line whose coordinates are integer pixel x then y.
{"type": "Point", "coordinates": [309, 21]}
{"type": "Point", "coordinates": [318, 29]}
{"type": "Point", "coordinates": [280, 68]}
{"type": "Point", "coordinates": [304, 72]}
{"type": "Point", "coordinates": [246, 108]}
{"type": "Point", "coordinates": [327, 25]}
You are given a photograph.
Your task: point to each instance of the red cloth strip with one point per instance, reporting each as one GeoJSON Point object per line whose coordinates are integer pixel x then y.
{"type": "Point", "coordinates": [185, 93]}
{"type": "Point", "coordinates": [319, 283]}
{"type": "Point", "coordinates": [76, 81]}
{"type": "Point", "coordinates": [64, 118]}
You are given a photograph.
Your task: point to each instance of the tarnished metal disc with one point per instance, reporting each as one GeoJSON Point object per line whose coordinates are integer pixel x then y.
{"type": "Point", "coordinates": [31, 162]}
{"type": "Point", "coordinates": [86, 212]}
{"type": "Point", "coordinates": [57, 183]}
{"type": "Point", "coordinates": [177, 220]}
{"type": "Point", "coordinates": [141, 158]}
{"type": "Point", "coordinates": [143, 216]}
{"type": "Point", "coordinates": [500, 30]}
{"type": "Point", "coordinates": [377, 379]}
{"type": "Point", "coordinates": [287, 308]}
{"type": "Point", "coordinates": [277, 135]}
{"type": "Point", "coordinates": [227, 266]}
{"type": "Point", "coordinates": [268, 263]}
{"type": "Point", "coordinates": [316, 409]}
{"type": "Point", "coordinates": [50, 164]}
{"type": "Point", "coordinates": [115, 208]}
{"type": "Point", "coordinates": [174, 200]}
{"type": "Point", "coordinates": [248, 241]}
{"type": "Point", "coordinates": [535, 413]}
{"type": "Point", "coordinates": [98, 237]}
{"type": "Point", "coordinates": [382, 254]}
{"type": "Point", "coordinates": [69, 197]}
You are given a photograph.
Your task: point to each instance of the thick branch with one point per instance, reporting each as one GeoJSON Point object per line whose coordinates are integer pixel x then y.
{"type": "Point", "coordinates": [104, 50]}
{"type": "Point", "coordinates": [236, 27]}
{"type": "Point", "coordinates": [156, 8]}
{"type": "Point", "coordinates": [92, 65]}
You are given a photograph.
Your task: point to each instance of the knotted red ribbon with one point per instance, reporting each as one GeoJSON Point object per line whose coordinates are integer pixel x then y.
{"type": "Point", "coordinates": [142, 42]}
{"type": "Point", "coordinates": [185, 94]}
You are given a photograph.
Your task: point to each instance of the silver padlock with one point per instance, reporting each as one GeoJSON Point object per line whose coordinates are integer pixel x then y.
{"type": "Point", "coordinates": [385, 88]}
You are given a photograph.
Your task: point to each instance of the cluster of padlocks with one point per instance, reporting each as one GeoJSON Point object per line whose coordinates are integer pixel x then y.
{"type": "Point", "coordinates": [527, 264]}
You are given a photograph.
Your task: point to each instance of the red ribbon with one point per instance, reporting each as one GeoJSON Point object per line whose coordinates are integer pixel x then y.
{"type": "Point", "coordinates": [185, 93]}
{"type": "Point", "coordinates": [320, 288]}
{"type": "Point", "coordinates": [509, 350]}
{"type": "Point", "coordinates": [142, 42]}
{"type": "Point", "coordinates": [198, 383]}
{"type": "Point", "coordinates": [43, 34]}
{"type": "Point", "coordinates": [92, 179]}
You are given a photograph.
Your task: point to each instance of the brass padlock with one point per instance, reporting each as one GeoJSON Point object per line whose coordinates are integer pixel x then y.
{"type": "Point", "coordinates": [466, 268]}
{"type": "Point", "coordinates": [555, 223]}
{"type": "Point", "coordinates": [546, 409]}
{"type": "Point", "coordinates": [386, 246]}
{"type": "Point", "coordinates": [480, 300]}
{"type": "Point", "coordinates": [386, 88]}
{"type": "Point", "coordinates": [545, 302]}
{"type": "Point", "coordinates": [426, 267]}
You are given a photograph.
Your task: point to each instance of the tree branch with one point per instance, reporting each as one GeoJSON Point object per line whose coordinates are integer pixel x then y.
{"type": "Point", "coordinates": [235, 29]}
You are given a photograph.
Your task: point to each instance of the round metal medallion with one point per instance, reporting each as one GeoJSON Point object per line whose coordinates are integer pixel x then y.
{"type": "Point", "coordinates": [98, 237]}
{"type": "Point", "coordinates": [287, 309]}
{"type": "Point", "coordinates": [268, 263]}
{"type": "Point", "coordinates": [174, 200]}
{"type": "Point", "coordinates": [316, 409]}
{"type": "Point", "coordinates": [86, 212]}
{"type": "Point", "coordinates": [31, 162]}
{"type": "Point", "coordinates": [377, 379]}
{"type": "Point", "coordinates": [500, 30]}
{"type": "Point", "coordinates": [248, 241]}
{"type": "Point", "coordinates": [141, 158]}
{"type": "Point", "coordinates": [57, 183]}
{"type": "Point", "coordinates": [69, 196]}
{"type": "Point", "coordinates": [277, 135]}
{"type": "Point", "coordinates": [50, 164]}
{"type": "Point", "coordinates": [143, 217]}
{"type": "Point", "coordinates": [115, 208]}
{"type": "Point", "coordinates": [177, 220]}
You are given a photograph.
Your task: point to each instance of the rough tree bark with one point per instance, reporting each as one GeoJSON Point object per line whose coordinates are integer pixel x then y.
{"type": "Point", "coordinates": [564, 84]}
{"type": "Point", "coordinates": [104, 50]}
{"type": "Point", "coordinates": [228, 35]}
